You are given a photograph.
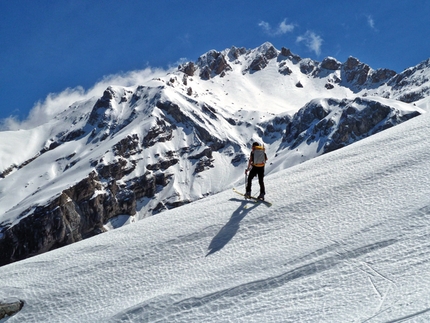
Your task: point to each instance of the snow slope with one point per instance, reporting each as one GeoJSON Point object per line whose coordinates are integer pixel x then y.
{"type": "Point", "coordinates": [346, 240]}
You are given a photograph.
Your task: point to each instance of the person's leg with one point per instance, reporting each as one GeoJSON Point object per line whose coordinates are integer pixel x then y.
{"type": "Point", "coordinates": [261, 181]}
{"type": "Point", "coordinates": [251, 175]}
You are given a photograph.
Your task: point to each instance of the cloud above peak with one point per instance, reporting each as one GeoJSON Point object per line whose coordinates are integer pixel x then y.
{"type": "Point", "coordinates": [281, 29]}
{"type": "Point", "coordinates": [371, 22]}
{"type": "Point", "coordinates": [312, 41]}
{"type": "Point", "coordinates": [44, 111]}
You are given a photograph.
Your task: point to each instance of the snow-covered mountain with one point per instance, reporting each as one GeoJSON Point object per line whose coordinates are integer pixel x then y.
{"type": "Point", "coordinates": [139, 150]}
{"type": "Point", "coordinates": [346, 240]}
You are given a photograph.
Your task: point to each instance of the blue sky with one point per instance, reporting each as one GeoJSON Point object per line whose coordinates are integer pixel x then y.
{"type": "Point", "coordinates": [48, 46]}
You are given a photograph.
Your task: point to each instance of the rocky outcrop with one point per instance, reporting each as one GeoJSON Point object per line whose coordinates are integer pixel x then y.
{"type": "Point", "coordinates": [284, 69]}
{"type": "Point", "coordinates": [211, 64]}
{"type": "Point", "coordinates": [382, 75]}
{"type": "Point", "coordinates": [413, 96]}
{"type": "Point", "coordinates": [358, 119]}
{"type": "Point", "coordinates": [79, 212]}
{"type": "Point", "coordinates": [363, 118]}
{"type": "Point", "coordinates": [189, 68]}
{"type": "Point", "coordinates": [173, 110]}
{"type": "Point", "coordinates": [356, 75]}
{"type": "Point", "coordinates": [415, 76]}
{"type": "Point", "coordinates": [302, 121]}
{"type": "Point", "coordinates": [262, 59]}
{"type": "Point", "coordinates": [288, 54]}
{"type": "Point", "coordinates": [234, 52]}
{"type": "Point", "coordinates": [412, 84]}
{"type": "Point", "coordinates": [203, 160]}
{"type": "Point", "coordinates": [161, 132]}
{"type": "Point", "coordinates": [10, 306]}
{"type": "Point", "coordinates": [307, 66]}
{"type": "Point", "coordinates": [103, 104]}
{"type": "Point", "coordinates": [82, 210]}
{"type": "Point", "coordinates": [259, 63]}
{"type": "Point", "coordinates": [355, 71]}
{"type": "Point", "coordinates": [330, 63]}
{"type": "Point", "coordinates": [271, 52]}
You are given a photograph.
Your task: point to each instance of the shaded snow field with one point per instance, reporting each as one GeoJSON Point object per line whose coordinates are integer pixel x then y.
{"type": "Point", "coordinates": [346, 240]}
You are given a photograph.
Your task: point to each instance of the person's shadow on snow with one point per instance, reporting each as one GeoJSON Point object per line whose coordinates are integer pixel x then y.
{"type": "Point", "coordinates": [229, 230]}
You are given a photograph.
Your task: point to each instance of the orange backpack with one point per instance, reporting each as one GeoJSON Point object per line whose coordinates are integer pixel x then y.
{"type": "Point", "coordinates": [259, 159]}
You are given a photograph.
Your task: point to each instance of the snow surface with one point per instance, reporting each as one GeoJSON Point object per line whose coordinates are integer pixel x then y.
{"type": "Point", "coordinates": [346, 240]}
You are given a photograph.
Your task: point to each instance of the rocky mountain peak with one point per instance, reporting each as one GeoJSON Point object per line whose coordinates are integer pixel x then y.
{"type": "Point", "coordinates": [415, 79]}
{"type": "Point", "coordinates": [330, 63]}
{"type": "Point", "coordinates": [211, 64]}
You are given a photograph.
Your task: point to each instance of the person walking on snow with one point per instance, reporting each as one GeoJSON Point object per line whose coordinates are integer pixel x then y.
{"type": "Point", "coordinates": [256, 163]}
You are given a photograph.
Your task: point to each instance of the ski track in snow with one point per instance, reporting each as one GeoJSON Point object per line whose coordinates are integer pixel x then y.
{"type": "Point", "coordinates": [346, 240]}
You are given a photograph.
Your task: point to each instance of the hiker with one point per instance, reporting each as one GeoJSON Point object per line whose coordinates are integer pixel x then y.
{"type": "Point", "coordinates": [256, 163]}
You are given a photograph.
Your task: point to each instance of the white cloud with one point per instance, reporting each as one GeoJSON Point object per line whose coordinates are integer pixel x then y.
{"type": "Point", "coordinates": [312, 41]}
{"type": "Point", "coordinates": [54, 103]}
{"type": "Point", "coordinates": [285, 28]}
{"type": "Point", "coordinates": [371, 22]}
{"type": "Point", "coordinates": [281, 29]}
{"type": "Point", "coordinates": [266, 26]}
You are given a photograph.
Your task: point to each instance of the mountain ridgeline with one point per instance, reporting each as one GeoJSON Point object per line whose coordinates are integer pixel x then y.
{"type": "Point", "coordinates": [137, 151]}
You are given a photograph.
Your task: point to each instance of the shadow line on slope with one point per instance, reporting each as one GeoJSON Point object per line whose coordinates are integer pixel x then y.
{"type": "Point", "coordinates": [229, 230]}
{"type": "Point", "coordinates": [169, 307]}
{"type": "Point", "coordinates": [414, 315]}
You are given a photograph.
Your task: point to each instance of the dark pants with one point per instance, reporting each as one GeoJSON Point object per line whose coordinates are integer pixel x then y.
{"type": "Point", "coordinates": [260, 172]}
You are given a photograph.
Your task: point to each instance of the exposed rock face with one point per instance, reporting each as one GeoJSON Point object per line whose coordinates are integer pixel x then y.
{"type": "Point", "coordinates": [211, 64]}
{"type": "Point", "coordinates": [307, 66]}
{"type": "Point", "coordinates": [414, 79]}
{"type": "Point", "coordinates": [331, 63]}
{"type": "Point", "coordinates": [259, 63]}
{"type": "Point", "coordinates": [79, 212]}
{"type": "Point", "coordinates": [414, 75]}
{"type": "Point", "coordinates": [382, 75]}
{"type": "Point", "coordinates": [284, 69]}
{"type": "Point", "coordinates": [161, 132]}
{"type": "Point", "coordinates": [82, 210]}
{"type": "Point", "coordinates": [10, 306]}
{"type": "Point", "coordinates": [262, 59]}
{"type": "Point", "coordinates": [288, 54]}
{"type": "Point", "coordinates": [103, 104]}
{"type": "Point", "coordinates": [188, 68]}
{"type": "Point", "coordinates": [359, 118]}
{"type": "Point", "coordinates": [355, 71]}
{"type": "Point", "coordinates": [359, 74]}
{"type": "Point", "coordinates": [271, 52]}
{"type": "Point", "coordinates": [235, 52]}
